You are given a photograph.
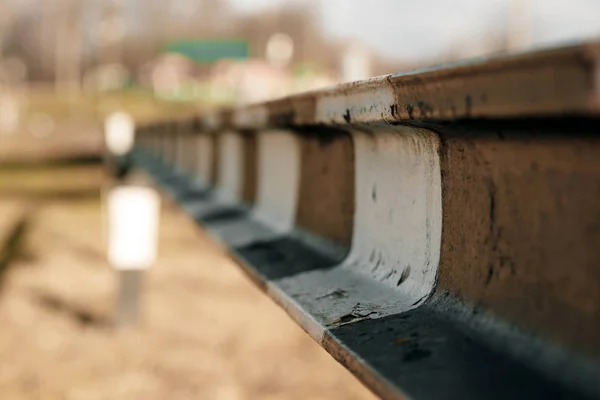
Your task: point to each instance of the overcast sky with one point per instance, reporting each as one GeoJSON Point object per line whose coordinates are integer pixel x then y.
{"type": "Point", "coordinates": [419, 29]}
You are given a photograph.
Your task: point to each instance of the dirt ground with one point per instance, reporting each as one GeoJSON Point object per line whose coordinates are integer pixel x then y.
{"type": "Point", "coordinates": [205, 333]}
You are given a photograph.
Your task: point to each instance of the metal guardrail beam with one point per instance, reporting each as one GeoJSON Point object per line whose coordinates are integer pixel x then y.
{"type": "Point", "coordinates": [435, 231]}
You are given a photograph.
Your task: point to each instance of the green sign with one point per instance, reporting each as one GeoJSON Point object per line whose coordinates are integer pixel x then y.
{"type": "Point", "coordinates": [210, 51]}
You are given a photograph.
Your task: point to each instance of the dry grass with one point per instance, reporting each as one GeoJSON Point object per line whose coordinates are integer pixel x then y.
{"type": "Point", "coordinates": [206, 332]}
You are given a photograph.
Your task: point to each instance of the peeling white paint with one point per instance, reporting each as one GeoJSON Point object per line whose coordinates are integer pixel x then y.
{"type": "Point", "coordinates": [327, 295]}
{"type": "Point", "coordinates": [230, 178]}
{"type": "Point", "coordinates": [278, 179]}
{"type": "Point", "coordinates": [277, 193]}
{"type": "Point", "coordinates": [392, 264]}
{"type": "Point", "coordinates": [398, 218]}
{"type": "Point", "coordinates": [371, 103]}
{"type": "Point", "coordinates": [308, 322]}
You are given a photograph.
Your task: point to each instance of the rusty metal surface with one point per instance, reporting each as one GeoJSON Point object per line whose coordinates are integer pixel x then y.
{"type": "Point", "coordinates": [507, 147]}
{"type": "Point", "coordinates": [398, 356]}
{"type": "Point", "coordinates": [558, 81]}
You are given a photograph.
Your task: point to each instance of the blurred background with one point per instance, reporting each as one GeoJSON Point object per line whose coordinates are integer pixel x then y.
{"type": "Point", "coordinates": [72, 61]}
{"type": "Point", "coordinates": [65, 65]}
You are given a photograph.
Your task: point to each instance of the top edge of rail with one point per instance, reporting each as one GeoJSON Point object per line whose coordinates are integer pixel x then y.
{"type": "Point", "coordinates": [560, 81]}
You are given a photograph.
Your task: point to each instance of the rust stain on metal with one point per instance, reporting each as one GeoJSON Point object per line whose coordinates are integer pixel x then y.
{"type": "Point", "coordinates": [326, 194]}
{"type": "Point", "coordinates": [508, 253]}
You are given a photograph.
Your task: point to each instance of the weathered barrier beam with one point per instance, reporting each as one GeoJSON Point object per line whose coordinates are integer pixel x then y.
{"type": "Point", "coordinates": [437, 231]}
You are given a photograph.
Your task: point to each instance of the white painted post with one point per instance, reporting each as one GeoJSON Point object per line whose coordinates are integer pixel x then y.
{"type": "Point", "coordinates": [119, 133]}
{"type": "Point", "coordinates": [133, 217]}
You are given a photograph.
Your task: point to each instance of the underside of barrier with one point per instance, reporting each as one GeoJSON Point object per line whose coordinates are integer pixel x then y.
{"type": "Point", "coordinates": [436, 232]}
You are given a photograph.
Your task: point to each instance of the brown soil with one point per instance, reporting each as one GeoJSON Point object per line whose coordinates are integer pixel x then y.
{"type": "Point", "coordinates": [205, 331]}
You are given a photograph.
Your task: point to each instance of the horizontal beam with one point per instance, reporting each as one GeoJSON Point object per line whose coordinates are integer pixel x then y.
{"type": "Point", "coordinates": [432, 259]}
{"type": "Point", "coordinates": [558, 81]}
